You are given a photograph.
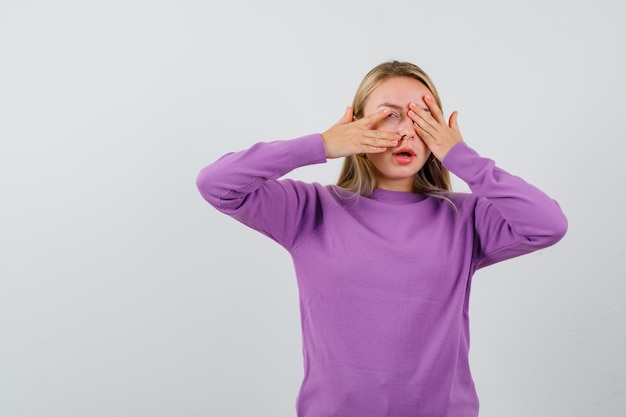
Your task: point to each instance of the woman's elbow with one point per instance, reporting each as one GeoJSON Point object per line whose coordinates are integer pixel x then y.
{"type": "Point", "coordinates": [205, 185]}
{"type": "Point", "coordinates": [556, 230]}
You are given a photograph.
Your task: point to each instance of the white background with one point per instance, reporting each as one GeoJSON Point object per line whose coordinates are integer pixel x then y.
{"type": "Point", "coordinates": [122, 293]}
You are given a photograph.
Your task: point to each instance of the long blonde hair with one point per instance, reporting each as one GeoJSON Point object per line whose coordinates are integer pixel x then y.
{"type": "Point", "coordinates": [358, 174]}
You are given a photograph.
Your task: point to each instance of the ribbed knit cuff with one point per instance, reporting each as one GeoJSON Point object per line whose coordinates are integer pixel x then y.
{"type": "Point", "coordinates": [307, 150]}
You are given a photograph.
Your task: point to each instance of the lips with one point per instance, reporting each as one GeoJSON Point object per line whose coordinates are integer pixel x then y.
{"type": "Point", "coordinates": [404, 155]}
{"type": "Point", "coordinates": [407, 152]}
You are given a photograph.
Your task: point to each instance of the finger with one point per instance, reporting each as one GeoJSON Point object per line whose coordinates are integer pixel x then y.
{"type": "Point", "coordinates": [374, 143]}
{"type": "Point", "coordinates": [422, 117]}
{"type": "Point", "coordinates": [381, 134]}
{"type": "Point", "coordinates": [425, 126]}
{"type": "Point", "coordinates": [425, 135]}
{"type": "Point", "coordinates": [373, 149]}
{"type": "Point", "coordinates": [346, 118]}
{"type": "Point", "coordinates": [454, 125]}
{"type": "Point", "coordinates": [435, 111]}
{"type": "Point", "coordinates": [380, 138]}
{"type": "Point", "coordinates": [373, 118]}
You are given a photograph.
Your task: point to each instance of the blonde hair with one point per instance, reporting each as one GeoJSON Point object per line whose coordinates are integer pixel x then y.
{"type": "Point", "coordinates": [358, 175]}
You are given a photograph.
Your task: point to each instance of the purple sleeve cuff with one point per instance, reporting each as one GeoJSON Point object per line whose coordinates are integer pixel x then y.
{"type": "Point", "coordinates": [307, 150]}
{"type": "Point", "coordinates": [461, 160]}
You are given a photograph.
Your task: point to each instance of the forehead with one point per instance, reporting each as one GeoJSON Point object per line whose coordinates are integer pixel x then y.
{"type": "Point", "coordinates": [397, 90]}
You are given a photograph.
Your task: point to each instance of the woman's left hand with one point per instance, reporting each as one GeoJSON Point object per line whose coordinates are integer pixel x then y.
{"type": "Point", "coordinates": [431, 126]}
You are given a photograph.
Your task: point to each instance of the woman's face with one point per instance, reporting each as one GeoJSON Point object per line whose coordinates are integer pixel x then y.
{"type": "Point", "coordinates": [396, 167]}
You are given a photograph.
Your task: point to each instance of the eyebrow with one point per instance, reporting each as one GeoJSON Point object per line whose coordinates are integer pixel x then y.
{"type": "Point", "coordinates": [395, 106]}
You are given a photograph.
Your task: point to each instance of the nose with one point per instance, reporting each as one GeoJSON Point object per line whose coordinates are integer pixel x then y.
{"type": "Point", "coordinates": [406, 131]}
{"type": "Point", "coordinates": [408, 135]}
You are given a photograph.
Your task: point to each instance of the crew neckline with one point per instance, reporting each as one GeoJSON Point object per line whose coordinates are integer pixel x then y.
{"type": "Point", "coordinates": [404, 197]}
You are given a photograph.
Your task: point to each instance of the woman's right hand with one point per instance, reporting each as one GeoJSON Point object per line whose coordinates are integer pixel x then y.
{"type": "Point", "coordinates": [349, 137]}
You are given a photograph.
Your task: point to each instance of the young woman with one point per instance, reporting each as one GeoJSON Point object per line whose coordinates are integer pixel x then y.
{"type": "Point", "coordinates": [384, 260]}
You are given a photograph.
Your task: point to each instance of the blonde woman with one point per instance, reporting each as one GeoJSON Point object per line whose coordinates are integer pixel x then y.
{"type": "Point", "coordinates": [384, 259]}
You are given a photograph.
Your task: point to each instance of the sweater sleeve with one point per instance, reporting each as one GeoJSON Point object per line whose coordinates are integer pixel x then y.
{"type": "Point", "coordinates": [245, 186]}
{"type": "Point", "coordinates": [511, 217]}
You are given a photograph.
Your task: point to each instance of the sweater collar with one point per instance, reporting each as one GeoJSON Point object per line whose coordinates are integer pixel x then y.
{"type": "Point", "coordinates": [401, 197]}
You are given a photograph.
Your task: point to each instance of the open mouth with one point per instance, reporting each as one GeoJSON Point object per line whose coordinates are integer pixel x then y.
{"type": "Point", "coordinates": [404, 152]}
{"type": "Point", "coordinates": [404, 156]}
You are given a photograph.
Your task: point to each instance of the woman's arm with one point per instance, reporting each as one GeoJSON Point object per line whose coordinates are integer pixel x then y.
{"type": "Point", "coordinates": [511, 217]}
{"type": "Point", "coordinates": [245, 186]}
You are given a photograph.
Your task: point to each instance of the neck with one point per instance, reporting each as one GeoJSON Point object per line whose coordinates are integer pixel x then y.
{"type": "Point", "coordinates": [403, 184]}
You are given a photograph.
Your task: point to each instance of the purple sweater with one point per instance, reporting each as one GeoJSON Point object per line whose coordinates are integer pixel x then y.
{"type": "Point", "coordinates": [384, 281]}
